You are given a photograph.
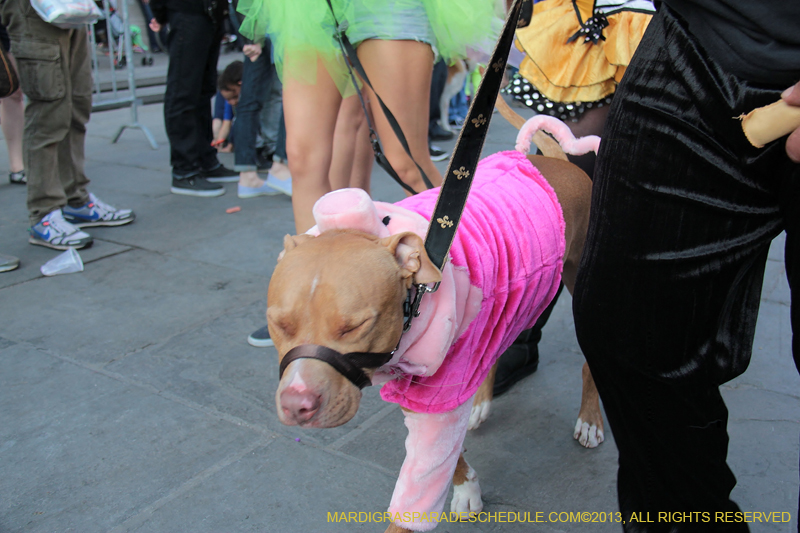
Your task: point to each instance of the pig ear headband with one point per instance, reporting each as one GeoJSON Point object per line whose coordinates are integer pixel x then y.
{"type": "Point", "coordinates": [348, 209]}
{"type": "Point", "coordinates": [560, 131]}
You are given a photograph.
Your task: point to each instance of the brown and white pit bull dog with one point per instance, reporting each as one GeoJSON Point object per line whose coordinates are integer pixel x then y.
{"type": "Point", "coordinates": [343, 287]}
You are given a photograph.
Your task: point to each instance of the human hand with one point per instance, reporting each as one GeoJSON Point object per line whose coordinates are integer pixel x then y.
{"type": "Point", "coordinates": [792, 97]}
{"type": "Point", "coordinates": [155, 26]}
{"type": "Point", "coordinates": [252, 51]}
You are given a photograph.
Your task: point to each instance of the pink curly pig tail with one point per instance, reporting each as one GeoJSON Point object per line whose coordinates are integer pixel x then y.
{"type": "Point", "coordinates": [559, 130]}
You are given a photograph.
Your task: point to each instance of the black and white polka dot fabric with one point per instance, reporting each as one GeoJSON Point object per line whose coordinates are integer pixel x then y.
{"type": "Point", "coordinates": [523, 91]}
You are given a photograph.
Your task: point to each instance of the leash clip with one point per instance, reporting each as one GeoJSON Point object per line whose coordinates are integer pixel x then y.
{"type": "Point", "coordinates": [411, 305]}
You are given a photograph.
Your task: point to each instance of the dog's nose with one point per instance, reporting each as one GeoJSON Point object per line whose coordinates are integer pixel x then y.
{"type": "Point", "coordinates": [300, 406]}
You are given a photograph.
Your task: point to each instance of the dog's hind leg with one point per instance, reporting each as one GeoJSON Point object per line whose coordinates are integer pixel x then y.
{"type": "Point", "coordinates": [482, 401]}
{"type": "Point", "coordinates": [574, 190]}
{"type": "Point", "coordinates": [589, 428]}
{"type": "Point", "coordinates": [466, 490]}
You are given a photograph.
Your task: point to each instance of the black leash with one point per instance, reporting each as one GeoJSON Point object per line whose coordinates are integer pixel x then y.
{"type": "Point", "coordinates": [351, 58]}
{"type": "Point", "coordinates": [461, 171]}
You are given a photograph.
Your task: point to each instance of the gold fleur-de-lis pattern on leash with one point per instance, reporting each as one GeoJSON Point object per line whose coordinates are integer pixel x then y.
{"type": "Point", "coordinates": [461, 173]}
{"type": "Point", "coordinates": [479, 121]}
{"type": "Point", "coordinates": [445, 222]}
{"type": "Point", "coordinates": [497, 66]}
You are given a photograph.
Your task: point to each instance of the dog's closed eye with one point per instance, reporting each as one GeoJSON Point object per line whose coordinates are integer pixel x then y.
{"type": "Point", "coordinates": [350, 328]}
{"type": "Point", "coordinates": [279, 323]}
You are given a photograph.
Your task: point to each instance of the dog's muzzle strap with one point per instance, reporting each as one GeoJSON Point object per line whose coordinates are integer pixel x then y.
{"type": "Point", "coordinates": [349, 365]}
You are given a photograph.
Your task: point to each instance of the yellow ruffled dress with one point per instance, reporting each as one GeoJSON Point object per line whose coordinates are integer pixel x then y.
{"type": "Point", "coordinates": [565, 63]}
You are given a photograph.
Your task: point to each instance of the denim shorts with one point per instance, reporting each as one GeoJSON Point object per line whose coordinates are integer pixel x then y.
{"type": "Point", "coordinates": [399, 20]}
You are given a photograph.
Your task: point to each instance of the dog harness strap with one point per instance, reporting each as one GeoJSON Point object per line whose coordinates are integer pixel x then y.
{"type": "Point", "coordinates": [467, 153]}
{"type": "Point", "coordinates": [349, 365]}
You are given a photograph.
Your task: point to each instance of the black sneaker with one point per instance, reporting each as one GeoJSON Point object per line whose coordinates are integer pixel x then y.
{"type": "Point", "coordinates": [438, 133]}
{"type": "Point", "coordinates": [195, 185]}
{"type": "Point", "coordinates": [220, 174]}
{"type": "Point", "coordinates": [260, 338]}
{"type": "Point", "coordinates": [18, 178]}
{"type": "Point", "coordinates": [437, 154]}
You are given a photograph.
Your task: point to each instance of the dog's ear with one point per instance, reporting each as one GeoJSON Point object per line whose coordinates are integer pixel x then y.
{"type": "Point", "coordinates": [409, 250]}
{"type": "Point", "coordinates": [292, 242]}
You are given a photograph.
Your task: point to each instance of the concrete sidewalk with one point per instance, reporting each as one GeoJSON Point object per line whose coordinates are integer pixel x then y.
{"type": "Point", "coordinates": [131, 402]}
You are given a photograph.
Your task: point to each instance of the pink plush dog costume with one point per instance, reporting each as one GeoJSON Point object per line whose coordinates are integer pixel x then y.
{"type": "Point", "coordinates": [342, 286]}
{"type": "Point", "coordinates": [497, 283]}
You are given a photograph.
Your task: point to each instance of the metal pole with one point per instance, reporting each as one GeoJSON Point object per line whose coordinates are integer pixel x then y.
{"type": "Point", "coordinates": [128, 47]}
{"type": "Point", "coordinates": [111, 52]}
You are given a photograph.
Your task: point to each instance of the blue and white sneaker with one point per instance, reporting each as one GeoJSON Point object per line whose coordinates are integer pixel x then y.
{"type": "Point", "coordinates": [284, 186]}
{"type": "Point", "coordinates": [97, 213]}
{"type": "Point", "coordinates": [55, 232]}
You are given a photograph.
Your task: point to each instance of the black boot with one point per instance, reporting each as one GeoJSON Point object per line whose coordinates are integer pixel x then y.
{"type": "Point", "coordinates": [521, 359]}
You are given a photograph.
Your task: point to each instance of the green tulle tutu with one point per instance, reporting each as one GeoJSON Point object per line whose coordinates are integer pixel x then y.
{"type": "Point", "coordinates": [304, 29]}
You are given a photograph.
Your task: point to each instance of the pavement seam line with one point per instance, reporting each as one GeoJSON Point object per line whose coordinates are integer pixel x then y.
{"type": "Point", "coordinates": [355, 460]}
{"type": "Point", "coordinates": [364, 426]}
{"type": "Point", "coordinates": [142, 516]}
{"type": "Point", "coordinates": [164, 394]}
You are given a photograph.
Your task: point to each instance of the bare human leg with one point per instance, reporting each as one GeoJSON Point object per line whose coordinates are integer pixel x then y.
{"type": "Point", "coordinates": [310, 112]}
{"type": "Point", "coordinates": [352, 154]}
{"type": "Point", "coordinates": [12, 120]}
{"type": "Point", "coordinates": [400, 72]}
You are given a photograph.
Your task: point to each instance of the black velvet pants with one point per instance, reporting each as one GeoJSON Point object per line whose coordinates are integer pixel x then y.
{"type": "Point", "coordinates": [683, 213]}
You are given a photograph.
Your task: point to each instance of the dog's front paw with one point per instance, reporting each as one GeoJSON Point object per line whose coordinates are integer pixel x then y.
{"type": "Point", "coordinates": [467, 495]}
{"type": "Point", "coordinates": [588, 434]}
{"type": "Point", "coordinates": [479, 414]}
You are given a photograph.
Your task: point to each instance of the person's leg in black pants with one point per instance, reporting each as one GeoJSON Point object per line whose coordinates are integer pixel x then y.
{"type": "Point", "coordinates": [185, 104]}
{"type": "Point", "coordinates": [668, 290]}
{"type": "Point", "coordinates": [208, 88]}
{"type": "Point", "coordinates": [191, 82]}
{"type": "Point", "coordinates": [790, 210]}
{"type": "Point", "coordinates": [438, 81]}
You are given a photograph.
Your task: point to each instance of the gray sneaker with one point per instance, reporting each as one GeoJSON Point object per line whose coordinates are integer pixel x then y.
{"type": "Point", "coordinates": [8, 262]}
{"type": "Point", "coordinates": [55, 232]}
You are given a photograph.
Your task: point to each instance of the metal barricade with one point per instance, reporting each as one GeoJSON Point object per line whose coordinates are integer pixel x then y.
{"type": "Point", "coordinates": [100, 99]}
